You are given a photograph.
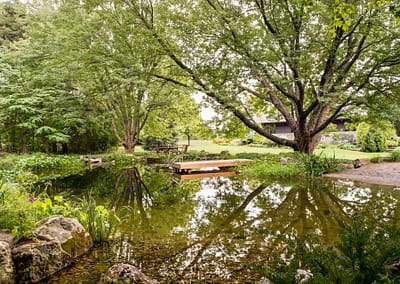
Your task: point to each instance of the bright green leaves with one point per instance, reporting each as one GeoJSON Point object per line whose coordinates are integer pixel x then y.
{"type": "Point", "coordinates": [342, 17]}
{"type": "Point", "coordinates": [11, 22]}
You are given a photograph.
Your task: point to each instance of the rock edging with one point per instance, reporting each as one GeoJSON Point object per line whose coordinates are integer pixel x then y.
{"type": "Point", "coordinates": [57, 241]}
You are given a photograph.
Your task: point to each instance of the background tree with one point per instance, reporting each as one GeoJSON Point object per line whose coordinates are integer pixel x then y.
{"type": "Point", "coordinates": [42, 107]}
{"type": "Point", "coordinates": [121, 63]}
{"type": "Point", "coordinates": [310, 60]}
{"type": "Point", "coordinates": [12, 15]}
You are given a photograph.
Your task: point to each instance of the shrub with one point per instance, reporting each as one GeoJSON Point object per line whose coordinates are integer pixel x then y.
{"type": "Point", "coordinates": [17, 212]}
{"type": "Point", "coordinates": [374, 141]}
{"type": "Point", "coordinates": [361, 131]}
{"type": "Point", "coordinates": [347, 146]}
{"type": "Point", "coordinates": [395, 155]}
{"type": "Point", "coordinates": [376, 137]}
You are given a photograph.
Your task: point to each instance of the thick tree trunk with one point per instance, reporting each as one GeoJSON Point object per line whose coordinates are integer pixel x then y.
{"type": "Point", "coordinates": [128, 144]}
{"type": "Point", "coordinates": [307, 144]}
{"type": "Point", "coordinates": [130, 140]}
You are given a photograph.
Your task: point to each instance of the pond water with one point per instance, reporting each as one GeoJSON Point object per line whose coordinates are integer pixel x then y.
{"type": "Point", "coordinates": [213, 230]}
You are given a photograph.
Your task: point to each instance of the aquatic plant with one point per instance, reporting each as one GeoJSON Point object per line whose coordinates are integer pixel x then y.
{"type": "Point", "coordinates": [97, 220]}
{"type": "Point", "coordinates": [29, 169]}
{"type": "Point", "coordinates": [46, 206]}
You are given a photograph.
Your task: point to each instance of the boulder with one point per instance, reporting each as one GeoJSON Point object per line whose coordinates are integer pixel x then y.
{"type": "Point", "coordinates": [6, 263]}
{"type": "Point", "coordinates": [57, 241]}
{"type": "Point", "coordinates": [126, 274]}
{"type": "Point", "coordinates": [285, 161]}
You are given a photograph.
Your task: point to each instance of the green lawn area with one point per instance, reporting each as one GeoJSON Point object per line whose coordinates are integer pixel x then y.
{"type": "Point", "coordinates": [329, 150]}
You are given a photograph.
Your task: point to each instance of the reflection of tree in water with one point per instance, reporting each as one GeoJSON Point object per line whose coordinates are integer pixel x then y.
{"type": "Point", "coordinates": [233, 229]}
{"type": "Point", "coordinates": [155, 206]}
{"type": "Point", "coordinates": [133, 189]}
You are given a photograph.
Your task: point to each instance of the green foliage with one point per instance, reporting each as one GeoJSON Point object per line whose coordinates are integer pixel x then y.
{"type": "Point", "coordinates": [30, 169]}
{"type": "Point", "coordinates": [43, 167]}
{"type": "Point", "coordinates": [20, 211]}
{"type": "Point", "coordinates": [293, 164]}
{"type": "Point", "coordinates": [150, 142]}
{"type": "Point", "coordinates": [46, 206]}
{"type": "Point", "coordinates": [374, 141]}
{"type": "Point", "coordinates": [347, 146]}
{"type": "Point", "coordinates": [316, 165]}
{"type": "Point", "coordinates": [331, 128]}
{"type": "Point", "coordinates": [11, 22]}
{"type": "Point", "coordinates": [395, 155]}
{"type": "Point", "coordinates": [41, 162]}
{"type": "Point", "coordinates": [269, 166]}
{"type": "Point", "coordinates": [17, 212]}
{"type": "Point", "coordinates": [366, 252]}
{"type": "Point", "coordinates": [97, 220]}
{"type": "Point", "coordinates": [376, 137]}
{"type": "Point", "coordinates": [362, 130]}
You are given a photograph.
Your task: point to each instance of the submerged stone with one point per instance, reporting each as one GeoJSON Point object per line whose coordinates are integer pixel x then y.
{"type": "Point", "coordinates": [126, 274]}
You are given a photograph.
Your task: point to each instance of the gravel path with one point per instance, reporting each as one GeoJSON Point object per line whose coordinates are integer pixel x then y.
{"type": "Point", "coordinates": [379, 173]}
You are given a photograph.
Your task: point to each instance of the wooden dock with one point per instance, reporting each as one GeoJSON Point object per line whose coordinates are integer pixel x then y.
{"type": "Point", "coordinates": [222, 164]}
{"type": "Point", "coordinates": [205, 174]}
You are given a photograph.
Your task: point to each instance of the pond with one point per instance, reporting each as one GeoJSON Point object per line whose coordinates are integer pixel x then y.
{"type": "Point", "coordinates": [222, 229]}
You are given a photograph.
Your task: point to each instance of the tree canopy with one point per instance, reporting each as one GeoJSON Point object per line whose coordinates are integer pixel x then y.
{"type": "Point", "coordinates": [309, 60]}
{"type": "Point", "coordinates": [305, 61]}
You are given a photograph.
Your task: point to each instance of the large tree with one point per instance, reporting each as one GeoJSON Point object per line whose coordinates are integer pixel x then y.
{"type": "Point", "coordinates": [309, 59]}
{"type": "Point", "coordinates": [41, 106]}
{"type": "Point", "coordinates": [122, 63]}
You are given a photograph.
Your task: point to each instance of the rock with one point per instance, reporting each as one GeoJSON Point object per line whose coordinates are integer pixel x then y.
{"type": "Point", "coordinates": [303, 276]}
{"type": "Point", "coordinates": [58, 240]}
{"type": "Point", "coordinates": [6, 263]}
{"type": "Point", "coordinates": [357, 163]}
{"type": "Point", "coordinates": [285, 161]}
{"type": "Point", "coordinates": [6, 236]}
{"type": "Point", "coordinates": [125, 273]}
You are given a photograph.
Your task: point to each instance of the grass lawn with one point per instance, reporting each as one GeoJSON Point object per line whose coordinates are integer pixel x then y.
{"type": "Point", "coordinates": [329, 150]}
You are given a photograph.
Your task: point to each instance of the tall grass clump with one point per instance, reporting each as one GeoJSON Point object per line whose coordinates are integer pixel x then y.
{"type": "Point", "coordinates": [269, 166]}
{"type": "Point", "coordinates": [316, 165]}
{"type": "Point", "coordinates": [97, 220]}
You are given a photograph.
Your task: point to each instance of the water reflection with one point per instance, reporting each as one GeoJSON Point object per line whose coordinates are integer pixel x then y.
{"type": "Point", "coordinates": [129, 187]}
{"type": "Point", "coordinates": [221, 229]}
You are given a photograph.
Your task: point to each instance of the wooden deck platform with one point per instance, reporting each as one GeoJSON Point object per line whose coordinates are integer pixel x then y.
{"type": "Point", "coordinates": [188, 166]}
{"type": "Point", "coordinates": [205, 174]}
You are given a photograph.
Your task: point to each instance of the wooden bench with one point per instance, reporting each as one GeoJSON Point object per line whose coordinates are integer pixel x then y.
{"type": "Point", "coordinates": [166, 149]}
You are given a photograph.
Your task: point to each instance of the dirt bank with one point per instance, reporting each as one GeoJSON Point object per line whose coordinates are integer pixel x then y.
{"type": "Point", "coordinates": [379, 173]}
